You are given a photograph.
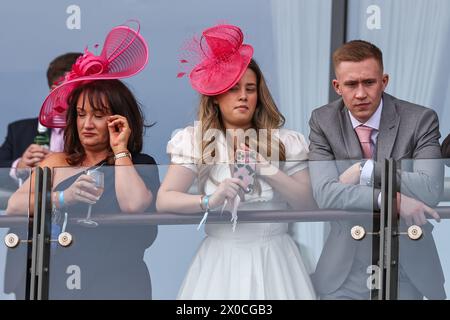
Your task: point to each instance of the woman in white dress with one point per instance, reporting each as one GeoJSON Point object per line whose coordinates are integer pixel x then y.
{"type": "Point", "coordinates": [256, 260]}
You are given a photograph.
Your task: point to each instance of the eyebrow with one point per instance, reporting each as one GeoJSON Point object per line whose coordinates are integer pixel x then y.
{"type": "Point", "coordinates": [357, 81]}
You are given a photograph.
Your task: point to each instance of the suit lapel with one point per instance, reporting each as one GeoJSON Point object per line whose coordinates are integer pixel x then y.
{"type": "Point", "coordinates": [349, 135]}
{"type": "Point", "coordinates": [388, 128]}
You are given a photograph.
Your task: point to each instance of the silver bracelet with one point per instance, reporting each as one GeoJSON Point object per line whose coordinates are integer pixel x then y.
{"type": "Point", "coordinates": [122, 154]}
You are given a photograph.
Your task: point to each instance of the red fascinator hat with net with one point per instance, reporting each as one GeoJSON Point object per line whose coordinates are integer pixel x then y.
{"type": "Point", "coordinates": [124, 54]}
{"type": "Point", "coordinates": [223, 59]}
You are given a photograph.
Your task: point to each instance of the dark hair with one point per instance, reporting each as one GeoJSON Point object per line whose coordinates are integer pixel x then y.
{"type": "Point", "coordinates": [103, 95]}
{"type": "Point", "coordinates": [60, 65]}
{"type": "Point", "coordinates": [357, 51]}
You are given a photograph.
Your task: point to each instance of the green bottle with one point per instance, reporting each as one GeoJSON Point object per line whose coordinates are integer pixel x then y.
{"type": "Point", "coordinates": [42, 138]}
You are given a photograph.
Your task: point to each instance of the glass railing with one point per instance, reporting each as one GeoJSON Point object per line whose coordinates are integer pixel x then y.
{"type": "Point", "coordinates": [277, 245]}
{"type": "Point", "coordinates": [300, 231]}
{"type": "Point", "coordinates": [423, 229]}
{"type": "Point", "coordinates": [348, 264]}
{"type": "Point", "coordinates": [100, 253]}
{"type": "Point", "coordinates": [15, 245]}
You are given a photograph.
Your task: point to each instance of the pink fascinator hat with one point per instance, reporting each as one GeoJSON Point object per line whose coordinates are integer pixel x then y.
{"type": "Point", "coordinates": [222, 59]}
{"type": "Point", "coordinates": [124, 54]}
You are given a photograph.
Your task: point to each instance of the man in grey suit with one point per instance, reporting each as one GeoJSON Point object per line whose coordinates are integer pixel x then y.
{"type": "Point", "coordinates": [366, 123]}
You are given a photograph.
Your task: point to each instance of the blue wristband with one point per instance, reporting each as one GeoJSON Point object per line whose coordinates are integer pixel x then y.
{"type": "Point", "coordinates": [61, 199]}
{"type": "Point", "coordinates": [205, 202]}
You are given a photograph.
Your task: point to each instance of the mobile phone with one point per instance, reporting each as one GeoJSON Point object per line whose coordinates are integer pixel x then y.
{"type": "Point", "coordinates": [244, 168]}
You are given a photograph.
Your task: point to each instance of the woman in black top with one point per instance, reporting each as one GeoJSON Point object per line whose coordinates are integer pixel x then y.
{"type": "Point", "coordinates": [103, 133]}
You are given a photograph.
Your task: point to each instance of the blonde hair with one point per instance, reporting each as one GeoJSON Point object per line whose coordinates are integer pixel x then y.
{"type": "Point", "coordinates": [266, 116]}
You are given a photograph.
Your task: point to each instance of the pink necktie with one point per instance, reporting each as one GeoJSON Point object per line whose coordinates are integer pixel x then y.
{"type": "Point", "coordinates": [364, 134]}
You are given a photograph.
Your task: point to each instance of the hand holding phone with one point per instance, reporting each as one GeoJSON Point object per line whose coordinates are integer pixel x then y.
{"type": "Point", "coordinates": [245, 168]}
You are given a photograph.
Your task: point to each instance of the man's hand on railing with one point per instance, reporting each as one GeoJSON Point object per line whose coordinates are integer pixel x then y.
{"type": "Point", "coordinates": [351, 175]}
{"type": "Point", "coordinates": [414, 211]}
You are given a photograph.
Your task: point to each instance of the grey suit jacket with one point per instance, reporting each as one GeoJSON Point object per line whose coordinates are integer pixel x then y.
{"type": "Point", "coordinates": [407, 131]}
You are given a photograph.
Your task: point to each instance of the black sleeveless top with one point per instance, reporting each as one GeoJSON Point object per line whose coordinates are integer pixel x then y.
{"type": "Point", "coordinates": [104, 262]}
{"type": "Point", "coordinates": [108, 258]}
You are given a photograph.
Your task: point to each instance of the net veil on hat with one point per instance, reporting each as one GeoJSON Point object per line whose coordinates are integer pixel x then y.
{"type": "Point", "coordinates": [223, 59]}
{"type": "Point", "coordinates": [124, 54]}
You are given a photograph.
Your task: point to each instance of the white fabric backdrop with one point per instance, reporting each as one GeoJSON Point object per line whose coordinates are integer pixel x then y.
{"type": "Point", "coordinates": [301, 33]}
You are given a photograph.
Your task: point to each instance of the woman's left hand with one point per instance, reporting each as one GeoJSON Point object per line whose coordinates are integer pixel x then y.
{"type": "Point", "coordinates": [119, 133]}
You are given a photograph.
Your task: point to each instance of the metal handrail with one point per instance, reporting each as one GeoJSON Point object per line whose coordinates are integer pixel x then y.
{"type": "Point", "coordinates": [162, 218]}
